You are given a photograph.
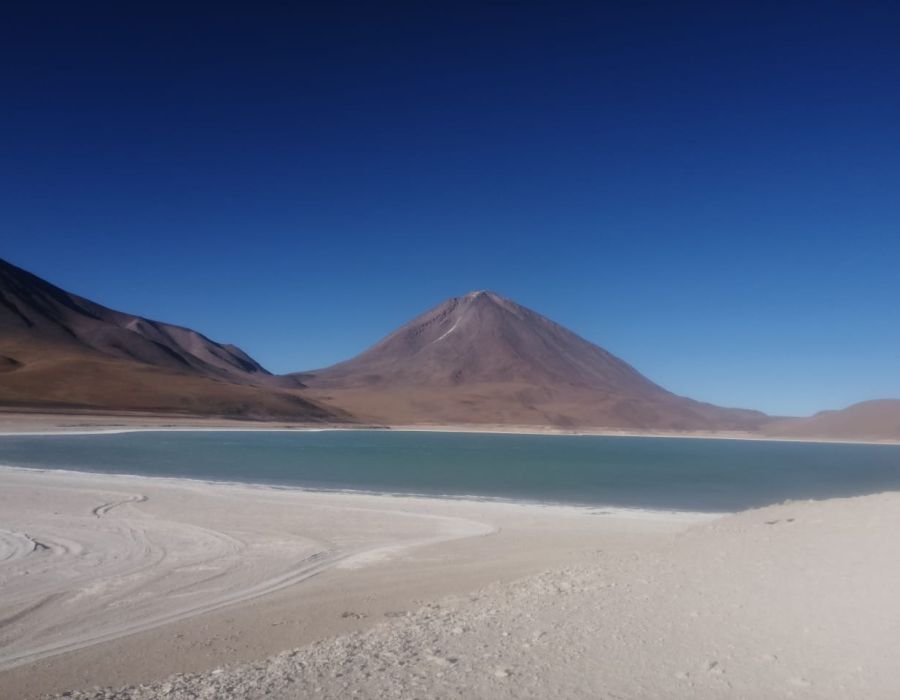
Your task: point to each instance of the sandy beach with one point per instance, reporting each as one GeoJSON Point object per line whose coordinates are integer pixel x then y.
{"type": "Point", "coordinates": [174, 575]}
{"type": "Point", "coordinates": [793, 601]}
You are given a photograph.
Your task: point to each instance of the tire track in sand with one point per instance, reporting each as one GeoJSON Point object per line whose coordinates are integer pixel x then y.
{"type": "Point", "coordinates": [309, 567]}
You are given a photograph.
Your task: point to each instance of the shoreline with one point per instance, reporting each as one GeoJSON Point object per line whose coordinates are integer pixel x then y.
{"type": "Point", "coordinates": [615, 511]}
{"type": "Point", "coordinates": [145, 424]}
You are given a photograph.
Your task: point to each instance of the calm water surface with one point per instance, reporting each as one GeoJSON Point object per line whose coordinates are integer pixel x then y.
{"type": "Point", "coordinates": [676, 473]}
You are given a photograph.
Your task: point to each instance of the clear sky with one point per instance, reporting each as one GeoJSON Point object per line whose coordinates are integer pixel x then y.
{"type": "Point", "coordinates": [710, 191]}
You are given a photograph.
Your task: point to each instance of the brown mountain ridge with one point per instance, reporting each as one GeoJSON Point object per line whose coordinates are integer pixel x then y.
{"type": "Point", "coordinates": [59, 350]}
{"type": "Point", "coordinates": [477, 359]}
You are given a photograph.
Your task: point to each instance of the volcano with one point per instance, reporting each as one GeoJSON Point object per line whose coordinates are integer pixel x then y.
{"type": "Point", "coordinates": [482, 358]}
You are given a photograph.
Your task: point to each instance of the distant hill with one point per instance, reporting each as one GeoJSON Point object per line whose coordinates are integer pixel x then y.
{"type": "Point", "coordinates": [482, 358]}
{"type": "Point", "coordinates": [33, 308]}
{"type": "Point", "coordinates": [869, 420]}
{"type": "Point", "coordinates": [60, 350]}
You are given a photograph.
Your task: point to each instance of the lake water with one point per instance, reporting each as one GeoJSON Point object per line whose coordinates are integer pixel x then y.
{"type": "Point", "coordinates": [663, 473]}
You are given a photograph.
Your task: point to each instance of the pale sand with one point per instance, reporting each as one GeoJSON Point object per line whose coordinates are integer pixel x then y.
{"type": "Point", "coordinates": [119, 579]}
{"type": "Point", "coordinates": [797, 600]}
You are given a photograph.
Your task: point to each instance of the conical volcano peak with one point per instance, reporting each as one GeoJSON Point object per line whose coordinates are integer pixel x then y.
{"type": "Point", "coordinates": [483, 293]}
{"type": "Point", "coordinates": [483, 337]}
{"type": "Point", "coordinates": [484, 298]}
{"type": "Point", "coordinates": [482, 357]}
{"type": "Point", "coordinates": [481, 296]}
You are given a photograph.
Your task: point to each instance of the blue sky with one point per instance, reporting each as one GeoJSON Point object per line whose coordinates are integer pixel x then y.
{"type": "Point", "coordinates": [710, 192]}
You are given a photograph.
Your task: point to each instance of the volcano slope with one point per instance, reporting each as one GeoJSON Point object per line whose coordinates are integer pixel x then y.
{"type": "Point", "coordinates": [484, 359]}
